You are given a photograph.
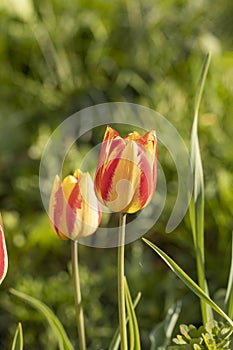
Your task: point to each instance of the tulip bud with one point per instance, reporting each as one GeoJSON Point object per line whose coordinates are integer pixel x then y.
{"type": "Point", "coordinates": [125, 179]}
{"type": "Point", "coordinates": [3, 253]}
{"type": "Point", "coordinates": [74, 210]}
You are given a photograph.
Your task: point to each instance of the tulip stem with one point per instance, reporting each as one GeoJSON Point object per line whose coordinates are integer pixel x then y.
{"type": "Point", "coordinates": [121, 291]}
{"type": "Point", "coordinates": [77, 294]}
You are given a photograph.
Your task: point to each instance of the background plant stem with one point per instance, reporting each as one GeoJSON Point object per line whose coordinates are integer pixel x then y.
{"type": "Point", "coordinates": [77, 294]}
{"type": "Point", "coordinates": [198, 200]}
{"type": "Point", "coordinates": [121, 291]}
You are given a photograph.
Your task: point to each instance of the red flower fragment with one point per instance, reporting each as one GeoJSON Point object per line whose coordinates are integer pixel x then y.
{"type": "Point", "coordinates": [3, 253]}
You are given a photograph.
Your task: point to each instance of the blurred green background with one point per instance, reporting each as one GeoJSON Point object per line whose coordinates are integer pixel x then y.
{"type": "Point", "coordinates": [58, 57]}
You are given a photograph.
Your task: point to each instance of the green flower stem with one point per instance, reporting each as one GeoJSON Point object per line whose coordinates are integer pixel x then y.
{"type": "Point", "coordinates": [121, 291]}
{"type": "Point", "coordinates": [205, 309]}
{"type": "Point", "coordinates": [78, 298]}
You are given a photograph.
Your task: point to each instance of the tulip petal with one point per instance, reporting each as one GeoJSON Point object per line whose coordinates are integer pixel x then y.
{"type": "Point", "coordinates": [3, 254]}
{"type": "Point", "coordinates": [144, 188]}
{"type": "Point", "coordinates": [106, 176]}
{"type": "Point", "coordinates": [149, 136]}
{"type": "Point", "coordinates": [150, 143]}
{"type": "Point", "coordinates": [56, 207]}
{"type": "Point", "coordinates": [74, 203]}
{"type": "Point", "coordinates": [91, 213]}
{"type": "Point", "coordinates": [126, 176]}
{"type": "Point", "coordinates": [110, 149]}
{"type": "Point", "coordinates": [88, 216]}
{"type": "Point", "coordinates": [110, 154]}
{"type": "Point", "coordinates": [135, 136]}
{"type": "Point", "coordinates": [74, 209]}
{"type": "Point", "coordinates": [110, 134]}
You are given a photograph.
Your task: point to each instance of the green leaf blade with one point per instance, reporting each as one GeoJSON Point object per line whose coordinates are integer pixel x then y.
{"type": "Point", "coordinates": [115, 343]}
{"type": "Point", "coordinates": [59, 332]}
{"type": "Point", "coordinates": [229, 292]}
{"type": "Point", "coordinates": [133, 324]}
{"type": "Point", "coordinates": [18, 338]}
{"type": "Point", "coordinates": [196, 210]}
{"type": "Point", "coordinates": [188, 281]}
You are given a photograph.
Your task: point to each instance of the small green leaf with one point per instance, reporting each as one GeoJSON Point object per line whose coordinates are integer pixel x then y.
{"type": "Point", "coordinates": [115, 343]}
{"type": "Point", "coordinates": [133, 324]}
{"type": "Point", "coordinates": [214, 335]}
{"type": "Point", "coordinates": [59, 332]}
{"type": "Point", "coordinates": [188, 281]}
{"type": "Point", "coordinates": [18, 338]}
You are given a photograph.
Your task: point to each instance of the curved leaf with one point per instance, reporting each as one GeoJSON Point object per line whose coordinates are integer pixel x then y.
{"type": "Point", "coordinates": [133, 324]}
{"type": "Point", "coordinates": [188, 281]}
{"type": "Point", "coordinates": [115, 343]}
{"type": "Point", "coordinates": [229, 292]}
{"type": "Point", "coordinates": [196, 209]}
{"type": "Point", "coordinates": [18, 338]}
{"type": "Point", "coordinates": [59, 332]}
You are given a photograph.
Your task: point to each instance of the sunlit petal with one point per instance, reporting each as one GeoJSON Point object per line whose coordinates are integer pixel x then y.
{"type": "Point", "coordinates": [74, 209]}
{"type": "Point", "coordinates": [126, 175]}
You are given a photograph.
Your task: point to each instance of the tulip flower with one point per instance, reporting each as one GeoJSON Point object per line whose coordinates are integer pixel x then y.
{"type": "Point", "coordinates": [126, 175]}
{"type": "Point", "coordinates": [74, 210]}
{"type": "Point", "coordinates": [3, 254]}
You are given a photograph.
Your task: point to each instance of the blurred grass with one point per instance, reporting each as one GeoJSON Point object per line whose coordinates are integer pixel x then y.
{"type": "Point", "coordinates": [59, 57]}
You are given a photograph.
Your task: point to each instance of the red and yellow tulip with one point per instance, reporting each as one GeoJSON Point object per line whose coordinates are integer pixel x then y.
{"type": "Point", "coordinates": [74, 210]}
{"type": "Point", "coordinates": [3, 254]}
{"type": "Point", "coordinates": [126, 175]}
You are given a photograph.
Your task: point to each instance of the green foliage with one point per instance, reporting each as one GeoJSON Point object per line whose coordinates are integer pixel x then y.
{"type": "Point", "coordinates": [115, 343]}
{"type": "Point", "coordinates": [58, 57]}
{"type": "Point", "coordinates": [192, 338]}
{"type": "Point", "coordinates": [134, 334]}
{"type": "Point", "coordinates": [213, 336]}
{"type": "Point", "coordinates": [58, 330]}
{"type": "Point", "coordinates": [188, 281]}
{"type": "Point", "coordinates": [229, 292]}
{"type": "Point", "coordinates": [18, 338]}
{"type": "Point", "coordinates": [196, 211]}
{"type": "Point", "coordinates": [161, 335]}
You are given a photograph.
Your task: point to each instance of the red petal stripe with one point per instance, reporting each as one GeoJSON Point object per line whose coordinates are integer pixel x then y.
{"type": "Point", "coordinates": [58, 208]}
{"type": "Point", "coordinates": [110, 136]}
{"type": "Point", "coordinates": [145, 187]}
{"type": "Point", "coordinates": [110, 155]}
{"type": "Point", "coordinates": [106, 178]}
{"type": "Point", "coordinates": [3, 255]}
{"type": "Point", "coordinates": [110, 133]}
{"type": "Point", "coordinates": [74, 203]}
{"type": "Point", "coordinates": [106, 168]}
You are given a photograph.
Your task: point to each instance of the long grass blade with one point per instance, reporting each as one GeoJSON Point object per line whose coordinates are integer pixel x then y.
{"type": "Point", "coordinates": [59, 332]}
{"type": "Point", "coordinates": [229, 292]}
{"type": "Point", "coordinates": [133, 324]}
{"type": "Point", "coordinates": [196, 211]}
{"type": "Point", "coordinates": [188, 281]}
{"type": "Point", "coordinates": [115, 343]}
{"type": "Point", "coordinates": [18, 338]}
